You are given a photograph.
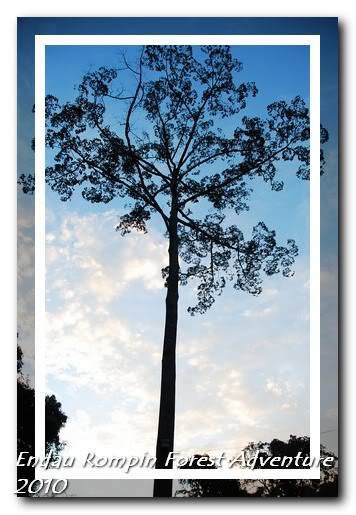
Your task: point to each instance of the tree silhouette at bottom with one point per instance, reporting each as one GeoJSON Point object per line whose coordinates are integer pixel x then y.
{"type": "Point", "coordinates": [327, 486]}
{"type": "Point", "coordinates": [208, 487]}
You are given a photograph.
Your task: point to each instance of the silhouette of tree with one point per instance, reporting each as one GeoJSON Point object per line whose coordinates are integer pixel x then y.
{"type": "Point", "coordinates": [19, 359]}
{"type": "Point", "coordinates": [327, 486]}
{"type": "Point", "coordinates": [55, 420]}
{"type": "Point", "coordinates": [208, 487]}
{"type": "Point", "coordinates": [181, 166]}
{"type": "Point", "coordinates": [25, 410]}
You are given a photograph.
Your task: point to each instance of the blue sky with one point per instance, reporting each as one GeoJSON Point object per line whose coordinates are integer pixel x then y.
{"type": "Point", "coordinates": [285, 66]}
{"type": "Point", "coordinates": [245, 364]}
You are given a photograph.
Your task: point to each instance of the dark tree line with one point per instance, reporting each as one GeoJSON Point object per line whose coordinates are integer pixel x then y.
{"type": "Point", "coordinates": [208, 487]}
{"type": "Point", "coordinates": [327, 486]}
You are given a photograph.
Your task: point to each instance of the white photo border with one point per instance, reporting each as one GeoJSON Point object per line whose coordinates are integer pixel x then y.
{"type": "Point", "coordinates": [313, 41]}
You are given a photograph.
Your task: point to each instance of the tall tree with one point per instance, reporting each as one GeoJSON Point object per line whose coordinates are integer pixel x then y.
{"type": "Point", "coordinates": [181, 165]}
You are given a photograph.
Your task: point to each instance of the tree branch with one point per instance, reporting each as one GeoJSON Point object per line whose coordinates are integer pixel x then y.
{"type": "Point", "coordinates": [146, 197]}
{"type": "Point", "coordinates": [206, 160]}
{"type": "Point", "coordinates": [231, 180]}
{"type": "Point", "coordinates": [196, 117]}
{"type": "Point", "coordinates": [169, 160]}
{"type": "Point", "coordinates": [150, 167]}
{"type": "Point", "coordinates": [192, 224]}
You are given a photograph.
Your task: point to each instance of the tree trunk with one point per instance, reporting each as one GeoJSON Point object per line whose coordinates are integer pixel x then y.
{"type": "Point", "coordinates": [165, 438]}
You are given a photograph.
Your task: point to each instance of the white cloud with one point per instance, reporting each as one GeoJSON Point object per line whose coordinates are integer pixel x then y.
{"type": "Point", "coordinates": [258, 313]}
{"type": "Point", "coordinates": [100, 261]}
{"type": "Point", "coordinates": [145, 269]}
{"type": "Point", "coordinates": [274, 388]}
{"type": "Point", "coordinates": [124, 434]}
{"type": "Point", "coordinates": [96, 353]}
{"type": "Point", "coordinates": [286, 390]}
{"type": "Point", "coordinates": [25, 245]}
{"type": "Point", "coordinates": [94, 349]}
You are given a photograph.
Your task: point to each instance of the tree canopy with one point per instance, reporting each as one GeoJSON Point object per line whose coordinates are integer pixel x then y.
{"type": "Point", "coordinates": [208, 487]}
{"type": "Point", "coordinates": [55, 418]}
{"type": "Point", "coordinates": [168, 146]}
{"type": "Point", "coordinates": [327, 486]}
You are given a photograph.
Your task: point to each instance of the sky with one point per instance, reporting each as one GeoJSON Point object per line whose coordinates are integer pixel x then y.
{"type": "Point", "coordinates": [244, 365]}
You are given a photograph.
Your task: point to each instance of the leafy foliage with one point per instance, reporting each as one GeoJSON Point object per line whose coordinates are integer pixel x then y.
{"type": "Point", "coordinates": [55, 418]}
{"type": "Point", "coordinates": [25, 410]}
{"type": "Point", "coordinates": [326, 486]}
{"type": "Point", "coordinates": [207, 487]}
{"type": "Point", "coordinates": [179, 163]}
{"type": "Point", "coordinates": [55, 421]}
